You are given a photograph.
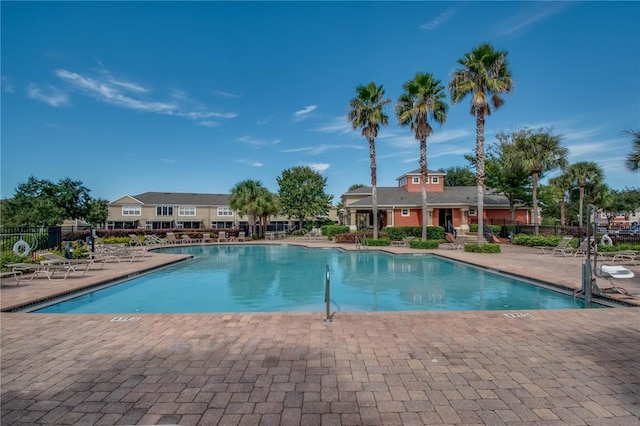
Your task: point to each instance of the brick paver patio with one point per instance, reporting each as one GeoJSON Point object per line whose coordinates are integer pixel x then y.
{"type": "Point", "coordinates": [560, 367]}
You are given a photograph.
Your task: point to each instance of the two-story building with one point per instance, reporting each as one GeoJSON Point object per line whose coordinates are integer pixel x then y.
{"type": "Point", "coordinates": [176, 210]}
{"type": "Point", "coordinates": [402, 205]}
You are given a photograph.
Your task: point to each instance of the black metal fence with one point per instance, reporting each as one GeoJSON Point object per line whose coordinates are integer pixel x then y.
{"type": "Point", "coordinates": [24, 240]}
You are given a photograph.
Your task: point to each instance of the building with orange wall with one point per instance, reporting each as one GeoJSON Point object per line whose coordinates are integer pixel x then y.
{"type": "Point", "coordinates": [401, 205]}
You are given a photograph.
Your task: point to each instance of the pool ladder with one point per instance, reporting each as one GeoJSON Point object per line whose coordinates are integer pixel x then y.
{"type": "Point", "coordinates": [327, 293]}
{"type": "Point", "coordinates": [361, 243]}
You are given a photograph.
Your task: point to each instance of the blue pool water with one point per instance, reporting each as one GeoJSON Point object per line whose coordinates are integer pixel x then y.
{"type": "Point", "coordinates": [270, 278]}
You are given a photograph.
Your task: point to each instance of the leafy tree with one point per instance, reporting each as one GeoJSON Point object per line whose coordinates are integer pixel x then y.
{"type": "Point", "coordinates": [583, 173]}
{"type": "Point", "coordinates": [537, 152]}
{"type": "Point", "coordinates": [509, 181]}
{"type": "Point", "coordinates": [98, 212]}
{"type": "Point", "coordinates": [244, 199]}
{"type": "Point", "coordinates": [355, 186]}
{"type": "Point", "coordinates": [367, 112]}
{"type": "Point", "coordinates": [458, 176]}
{"type": "Point", "coordinates": [302, 193]}
{"type": "Point", "coordinates": [422, 100]}
{"type": "Point", "coordinates": [484, 73]}
{"type": "Point", "coordinates": [632, 161]}
{"type": "Point", "coordinates": [40, 202]}
{"type": "Point", "coordinates": [621, 202]}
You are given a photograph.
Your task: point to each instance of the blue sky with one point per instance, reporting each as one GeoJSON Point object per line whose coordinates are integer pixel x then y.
{"type": "Point", "coordinates": [130, 97]}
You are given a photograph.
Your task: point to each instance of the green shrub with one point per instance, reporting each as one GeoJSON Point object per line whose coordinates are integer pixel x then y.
{"type": "Point", "coordinates": [494, 228]}
{"type": "Point", "coordinates": [10, 257]}
{"type": "Point", "coordinates": [429, 244]}
{"type": "Point", "coordinates": [473, 227]}
{"type": "Point", "coordinates": [398, 233]}
{"type": "Point", "coordinates": [116, 240]}
{"type": "Point", "coordinates": [540, 240]}
{"type": "Point", "coordinates": [485, 248]}
{"type": "Point", "coordinates": [379, 242]}
{"type": "Point", "coordinates": [331, 230]}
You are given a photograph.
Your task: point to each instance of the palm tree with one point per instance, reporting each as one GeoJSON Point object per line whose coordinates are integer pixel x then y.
{"type": "Point", "coordinates": [584, 173]}
{"type": "Point", "coordinates": [632, 161]}
{"type": "Point", "coordinates": [243, 199]}
{"type": "Point", "coordinates": [562, 184]}
{"type": "Point", "coordinates": [485, 73]}
{"type": "Point", "coordinates": [423, 99]}
{"type": "Point", "coordinates": [538, 152]}
{"type": "Point", "coordinates": [266, 205]}
{"type": "Point", "coordinates": [367, 112]}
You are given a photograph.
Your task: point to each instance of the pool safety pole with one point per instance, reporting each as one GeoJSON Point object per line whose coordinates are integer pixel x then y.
{"type": "Point", "coordinates": [327, 293]}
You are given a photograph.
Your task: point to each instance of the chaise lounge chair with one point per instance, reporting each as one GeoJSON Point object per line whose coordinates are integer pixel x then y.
{"type": "Point", "coordinates": [615, 272]}
{"type": "Point", "coordinates": [222, 236]}
{"type": "Point", "coordinates": [241, 236]}
{"type": "Point", "coordinates": [459, 242]}
{"type": "Point", "coordinates": [405, 242]}
{"type": "Point", "coordinates": [562, 247]}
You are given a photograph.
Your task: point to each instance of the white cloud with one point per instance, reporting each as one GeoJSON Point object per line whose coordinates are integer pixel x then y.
{"type": "Point", "coordinates": [319, 167]}
{"type": "Point", "coordinates": [439, 20]}
{"type": "Point", "coordinates": [257, 142]}
{"type": "Point", "coordinates": [304, 112]}
{"type": "Point", "coordinates": [250, 163]}
{"type": "Point", "coordinates": [338, 124]}
{"type": "Point", "coordinates": [297, 149]}
{"type": "Point", "coordinates": [112, 91]}
{"type": "Point", "coordinates": [531, 16]}
{"type": "Point", "coordinates": [589, 148]}
{"type": "Point", "coordinates": [224, 94]}
{"type": "Point", "coordinates": [7, 87]}
{"type": "Point", "coordinates": [209, 123]}
{"type": "Point", "coordinates": [106, 92]}
{"type": "Point", "coordinates": [265, 121]}
{"type": "Point", "coordinates": [54, 97]}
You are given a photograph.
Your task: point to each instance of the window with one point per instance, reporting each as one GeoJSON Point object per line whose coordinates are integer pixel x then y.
{"type": "Point", "coordinates": [416, 179]}
{"type": "Point", "coordinates": [164, 211]}
{"type": "Point", "coordinates": [472, 212]}
{"type": "Point", "coordinates": [221, 225]}
{"type": "Point", "coordinates": [187, 224]}
{"type": "Point", "coordinates": [225, 211]}
{"type": "Point", "coordinates": [402, 182]}
{"type": "Point", "coordinates": [435, 179]}
{"type": "Point", "coordinates": [603, 215]}
{"type": "Point", "coordinates": [186, 211]}
{"type": "Point", "coordinates": [405, 212]}
{"type": "Point", "coordinates": [131, 210]}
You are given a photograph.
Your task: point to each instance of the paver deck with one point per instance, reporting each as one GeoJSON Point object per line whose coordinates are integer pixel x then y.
{"type": "Point", "coordinates": [526, 367]}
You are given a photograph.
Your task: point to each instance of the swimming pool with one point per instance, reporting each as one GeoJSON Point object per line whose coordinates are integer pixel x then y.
{"type": "Point", "coordinates": [278, 278]}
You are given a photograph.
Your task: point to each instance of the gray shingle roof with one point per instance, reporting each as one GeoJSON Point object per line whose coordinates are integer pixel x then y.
{"type": "Point", "coordinates": [183, 199]}
{"type": "Point", "coordinates": [452, 195]}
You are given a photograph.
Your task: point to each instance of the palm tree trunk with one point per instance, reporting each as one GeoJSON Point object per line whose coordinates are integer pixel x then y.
{"type": "Point", "coordinates": [424, 177]}
{"type": "Point", "coordinates": [563, 211]}
{"type": "Point", "coordinates": [580, 207]}
{"type": "Point", "coordinates": [374, 183]}
{"type": "Point", "coordinates": [534, 179]}
{"type": "Point", "coordinates": [480, 172]}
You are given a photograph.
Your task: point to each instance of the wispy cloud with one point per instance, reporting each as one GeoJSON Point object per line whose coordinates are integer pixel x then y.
{"type": "Point", "coordinates": [319, 149]}
{"type": "Point", "coordinates": [250, 162]}
{"type": "Point", "coordinates": [224, 94]}
{"type": "Point", "coordinates": [590, 148]}
{"type": "Point", "coordinates": [53, 97]}
{"type": "Point", "coordinates": [106, 88]}
{"type": "Point", "coordinates": [530, 16]}
{"type": "Point", "coordinates": [304, 112]}
{"type": "Point", "coordinates": [265, 121]}
{"type": "Point", "coordinates": [439, 20]}
{"type": "Point", "coordinates": [319, 167]}
{"type": "Point", "coordinates": [437, 137]}
{"type": "Point", "coordinates": [338, 124]}
{"type": "Point", "coordinates": [7, 86]}
{"type": "Point", "coordinates": [257, 142]}
{"type": "Point", "coordinates": [209, 123]}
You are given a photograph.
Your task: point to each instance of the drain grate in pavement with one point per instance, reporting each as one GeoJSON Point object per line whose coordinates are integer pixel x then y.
{"type": "Point", "coordinates": [518, 315]}
{"type": "Point", "coordinates": [123, 319]}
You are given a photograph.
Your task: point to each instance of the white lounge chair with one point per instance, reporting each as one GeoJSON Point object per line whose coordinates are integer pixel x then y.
{"type": "Point", "coordinates": [615, 272]}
